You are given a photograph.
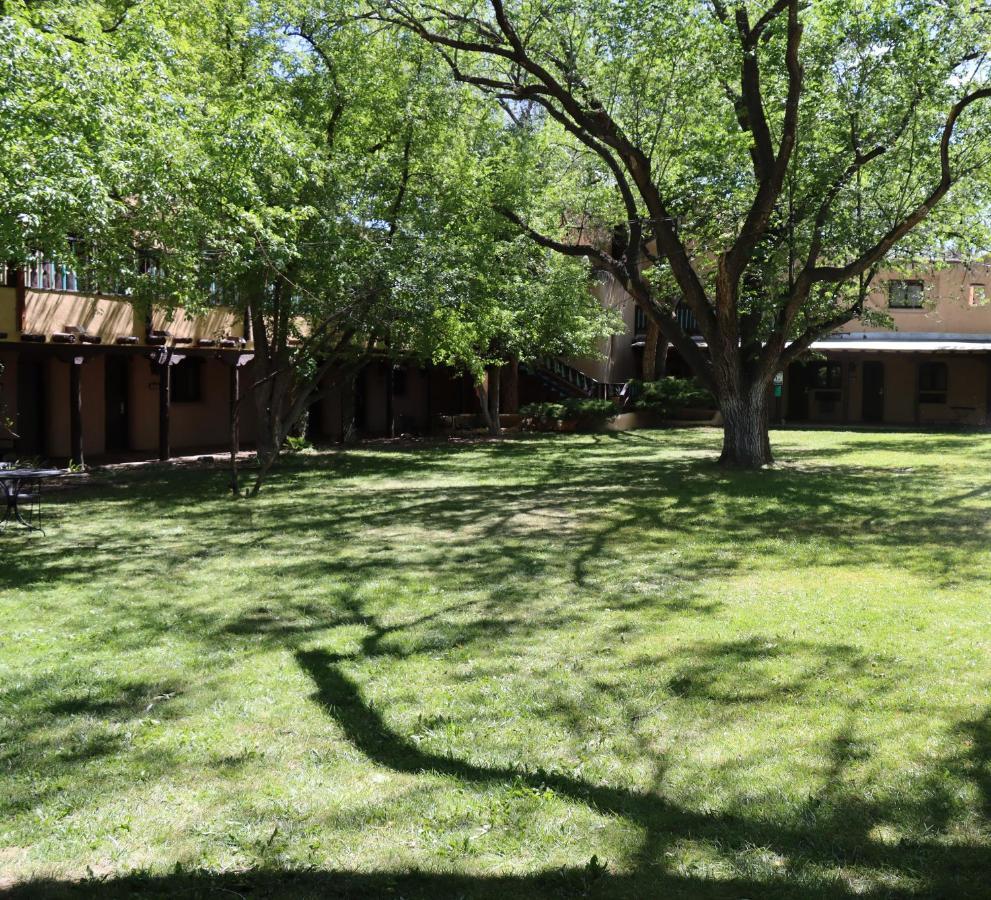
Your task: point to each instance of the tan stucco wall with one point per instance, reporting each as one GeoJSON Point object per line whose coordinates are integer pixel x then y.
{"type": "Point", "coordinates": [946, 307]}
{"type": "Point", "coordinates": [212, 325]}
{"type": "Point", "coordinates": [58, 407]}
{"type": "Point", "coordinates": [966, 400]}
{"type": "Point", "coordinates": [615, 359]}
{"type": "Point", "coordinates": [46, 312]}
{"type": "Point", "coordinates": [191, 425]}
{"type": "Point", "coordinates": [8, 311]}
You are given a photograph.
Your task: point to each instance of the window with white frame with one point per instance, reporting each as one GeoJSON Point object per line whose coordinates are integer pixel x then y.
{"type": "Point", "coordinates": [906, 294]}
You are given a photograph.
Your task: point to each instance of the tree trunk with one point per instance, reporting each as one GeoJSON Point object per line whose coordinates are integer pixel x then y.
{"type": "Point", "coordinates": [650, 343]}
{"type": "Point", "coordinates": [495, 383]}
{"type": "Point", "coordinates": [746, 443]}
{"type": "Point", "coordinates": [510, 381]}
{"type": "Point", "coordinates": [661, 363]}
{"type": "Point", "coordinates": [487, 390]}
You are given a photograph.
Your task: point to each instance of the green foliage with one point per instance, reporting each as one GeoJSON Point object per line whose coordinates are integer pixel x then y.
{"type": "Point", "coordinates": [297, 444]}
{"type": "Point", "coordinates": [667, 395]}
{"type": "Point", "coordinates": [586, 411]}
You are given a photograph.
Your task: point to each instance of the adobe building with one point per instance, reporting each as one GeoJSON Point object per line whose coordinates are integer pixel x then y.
{"type": "Point", "coordinates": [933, 368]}
{"type": "Point", "coordinates": [86, 376]}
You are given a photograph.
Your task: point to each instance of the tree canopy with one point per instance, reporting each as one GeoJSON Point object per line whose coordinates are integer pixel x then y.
{"type": "Point", "coordinates": [758, 161]}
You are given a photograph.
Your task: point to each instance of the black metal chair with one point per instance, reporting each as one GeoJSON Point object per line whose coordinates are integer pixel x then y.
{"type": "Point", "coordinates": [22, 503]}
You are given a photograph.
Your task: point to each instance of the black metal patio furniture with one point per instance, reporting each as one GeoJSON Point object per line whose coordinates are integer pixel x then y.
{"type": "Point", "coordinates": [20, 493]}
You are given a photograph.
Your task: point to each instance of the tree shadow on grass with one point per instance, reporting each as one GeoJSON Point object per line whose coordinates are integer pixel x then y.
{"type": "Point", "coordinates": [678, 503]}
{"type": "Point", "coordinates": [833, 832]}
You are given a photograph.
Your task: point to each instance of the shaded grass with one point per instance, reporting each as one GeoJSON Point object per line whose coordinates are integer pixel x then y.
{"type": "Point", "coordinates": [555, 666]}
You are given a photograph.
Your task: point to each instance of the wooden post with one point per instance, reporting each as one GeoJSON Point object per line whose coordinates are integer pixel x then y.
{"type": "Point", "coordinates": [76, 410]}
{"type": "Point", "coordinates": [429, 399]}
{"type": "Point", "coordinates": [20, 297]}
{"type": "Point", "coordinates": [390, 419]}
{"type": "Point", "coordinates": [164, 407]}
{"type": "Point", "coordinates": [235, 398]}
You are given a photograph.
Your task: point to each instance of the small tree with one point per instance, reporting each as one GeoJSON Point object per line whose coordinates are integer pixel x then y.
{"type": "Point", "coordinates": [764, 159]}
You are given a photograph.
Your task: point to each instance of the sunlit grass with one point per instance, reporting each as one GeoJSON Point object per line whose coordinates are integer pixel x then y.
{"type": "Point", "coordinates": [588, 665]}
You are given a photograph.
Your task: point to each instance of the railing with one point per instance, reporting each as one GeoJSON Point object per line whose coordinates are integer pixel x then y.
{"type": "Point", "coordinates": [577, 379]}
{"type": "Point", "coordinates": [46, 275]}
{"type": "Point", "coordinates": [686, 319]}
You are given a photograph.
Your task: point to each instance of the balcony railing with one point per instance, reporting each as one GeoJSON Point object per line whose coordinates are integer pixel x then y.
{"type": "Point", "coordinates": [686, 319]}
{"type": "Point", "coordinates": [684, 315]}
{"type": "Point", "coordinates": [576, 378]}
{"type": "Point", "coordinates": [46, 275]}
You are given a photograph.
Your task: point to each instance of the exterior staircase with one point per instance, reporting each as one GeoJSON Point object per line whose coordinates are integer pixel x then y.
{"type": "Point", "coordinates": [567, 381]}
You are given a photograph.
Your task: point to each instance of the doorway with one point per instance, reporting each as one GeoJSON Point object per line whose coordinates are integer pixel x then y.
{"type": "Point", "coordinates": [798, 392]}
{"type": "Point", "coordinates": [32, 408]}
{"type": "Point", "coordinates": [873, 397]}
{"type": "Point", "coordinates": [116, 378]}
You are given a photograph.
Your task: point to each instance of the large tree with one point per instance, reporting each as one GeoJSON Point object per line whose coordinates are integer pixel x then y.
{"type": "Point", "coordinates": [346, 198]}
{"type": "Point", "coordinates": [756, 161]}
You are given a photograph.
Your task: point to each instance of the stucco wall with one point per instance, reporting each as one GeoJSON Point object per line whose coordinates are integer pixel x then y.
{"type": "Point", "coordinates": [46, 312]}
{"type": "Point", "coordinates": [191, 425]}
{"type": "Point", "coordinates": [8, 398]}
{"type": "Point", "coordinates": [966, 399]}
{"type": "Point", "coordinates": [946, 305]}
{"type": "Point", "coordinates": [8, 311]}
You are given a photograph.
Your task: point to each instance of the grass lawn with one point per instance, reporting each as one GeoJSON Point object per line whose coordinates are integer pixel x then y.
{"type": "Point", "coordinates": [559, 666]}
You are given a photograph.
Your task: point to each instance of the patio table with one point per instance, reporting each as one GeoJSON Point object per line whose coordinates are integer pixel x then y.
{"type": "Point", "coordinates": [19, 488]}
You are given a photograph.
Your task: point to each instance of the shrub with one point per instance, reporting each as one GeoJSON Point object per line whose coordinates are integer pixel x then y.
{"type": "Point", "coordinates": [543, 412]}
{"type": "Point", "coordinates": [585, 410]}
{"type": "Point", "coordinates": [670, 394]}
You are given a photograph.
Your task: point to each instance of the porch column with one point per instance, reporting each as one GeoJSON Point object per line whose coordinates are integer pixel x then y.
{"type": "Point", "coordinates": [235, 399]}
{"type": "Point", "coordinates": [390, 418]}
{"type": "Point", "coordinates": [76, 410]}
{"type": "Point", "coordinates": [164, 409]}
{"type": "Point", "coordinates": [164, 362]}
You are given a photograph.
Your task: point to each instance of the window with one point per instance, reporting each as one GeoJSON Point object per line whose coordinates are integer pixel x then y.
{"type": "Point", "coordinates": [827, 376]}
{"type": "Point", "coordinates": [906, 294]}
{"type": "Point", "coordinates": [978, 295]}
{"type": "Point", "coordinates": [639, 320]}
{"type": "Point", "coordinates": [932, 382]}
{"type": "Point", "coordinates": [187, 381]}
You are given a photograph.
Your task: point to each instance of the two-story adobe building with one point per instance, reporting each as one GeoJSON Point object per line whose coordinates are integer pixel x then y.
{"type": "Point", "coordinates": [87, 376]}
{"type": "Point", "coordinates": [932, 368]}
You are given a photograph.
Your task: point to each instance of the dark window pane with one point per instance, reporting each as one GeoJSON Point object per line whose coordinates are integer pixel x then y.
{"type": "Point", "coordinates": [932, 382]}
{"type": "Point", "coordinates": [187, 381]}
{"type": "Point", "coordinates": [906, 294]}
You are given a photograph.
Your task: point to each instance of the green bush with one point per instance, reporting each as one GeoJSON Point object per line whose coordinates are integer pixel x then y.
{"type": "Point", "coordinates": [543, 412]}
{"type": "Point", "coordinates": [670, 394]}
{"type": "Point", "coordinates": [585, 409]}
{"type": "Point", "coordinates": [589, 410]}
